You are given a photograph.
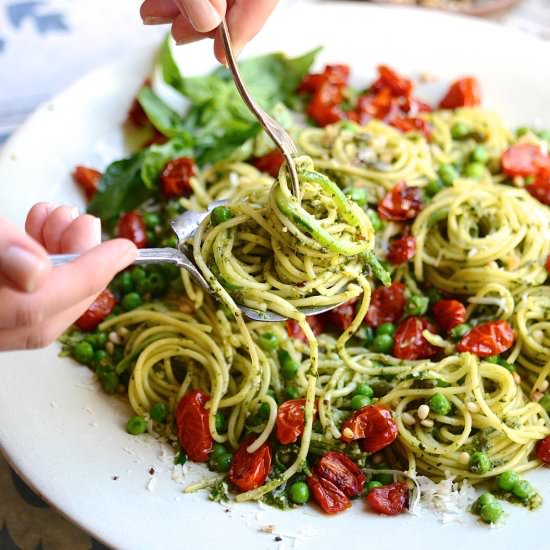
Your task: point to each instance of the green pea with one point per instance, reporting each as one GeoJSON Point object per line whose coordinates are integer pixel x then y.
{"type": "Point", "coordinates": [474, 170]}
{"type": "Point", "coordinates": [151, 238]}
{"type": "Point", "coordinates": [382, 343]}
{"type": "Point", "coordinates": [383, 477]}
{"type": "Point", "coordinates": [433, 295]}
{"type": "Point", "coordinates": [101, 339]}
{"type": "Point", "coordinates": [84, 352]}
{"type": "Point", "coordinates": [109, 382]}
{"type": "Point", "coordinates": [131, 301]}
{"type": "Point", "coordinates": [151, 219]}
{"type": "Point", "coordinates": [357, 195]}
{"type": "Point", "coordinates": [364, 389]}
{"type": "Point", "coordinates": [289, 367]}
{"type": "Point", "coordinates": [433, 187]}
{"type": "Point", "coordinates": [459, 331]}
{"type": "Point", "coordinates": [221, 214]}
{"type": "Point", "coordinates": [136, 425]}
{"type": "Point", "coordinates": [545, 402]}
{"type": "Point", "coordinates": [220, 422]}
{"type": "Point", "coordinates": [171, 272]}
{"type": "Point", "coordinates": [447, 173]}
{"type": "Point", "coordinates": [264, 411]}
{"type": "Point", "coordinates": [369, 336]}
{"type": "Point", "coordinates": [386, 328]}
{"type": "Point", "coordinates": [223, 462]}
{"type": "Point", "coordinates": [218, 450]}
{"type": "Point", "coordinates": [490, 513]}
{"type": "Point", "coordinates": [298, 492]}
{"type": "Point", "coordinates": [484, 500]}
{"type": "Point", "coordinates": [101, 358]}
{"type": "Point", "coordinates": [374, 219]}
{"type": "Point", "coordinates": [268, 341]}
{"type": "Point", "coordinates": [522, 489]}
{"type": "Point", "coordinates": [159, 412]}
{"type": "Point", "coordinates": [372, 485]}
{"type": "Point", "coordinates": [156, 284]}
{"type": "Point", "coordinates": [459, 130]}
{"type": "Point", "coordinates": [507, 480]}
{"type": "Point", "coordinates": [171, 242]}
{"type": "Point", "coordinates": [359, 401]}
{"type": "Point", "coordinates": [479, 154]}
{"type": "Point", "coordinates": [138, 274]}
{"type": "Point", "coordinates": [417, 305]}
{"type": "Point", "coordinates": [439, 404]}
{"type": "Point", "coordinates": [292, 392]}
{"type": "Point", "coordinates": [124, 282]}
{"type": "Point", "coordinates": [480, 463]}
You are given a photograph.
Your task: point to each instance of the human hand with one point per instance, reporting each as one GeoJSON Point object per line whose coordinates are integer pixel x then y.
{"type": "Point", "coordinates": [38, 302]}
{"type": "Point", "coordinates": [194, 20]}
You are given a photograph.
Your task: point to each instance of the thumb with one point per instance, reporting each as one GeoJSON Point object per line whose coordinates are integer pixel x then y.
{"type": "Point", "coordinates": [24, 264]}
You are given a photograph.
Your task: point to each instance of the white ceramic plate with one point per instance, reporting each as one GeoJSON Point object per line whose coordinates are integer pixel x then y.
{"type": "Point", "coordinates": [67, 439]}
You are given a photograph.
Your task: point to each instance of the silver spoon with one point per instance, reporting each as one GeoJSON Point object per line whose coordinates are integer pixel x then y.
{"type": "Point", "coordinates": [273, 129]}
{"type": "Point", "coordinates": [184, 227]}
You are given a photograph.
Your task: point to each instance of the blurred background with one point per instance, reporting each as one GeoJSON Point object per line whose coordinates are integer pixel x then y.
{"type": "Point", "coordinates": [47, 44]}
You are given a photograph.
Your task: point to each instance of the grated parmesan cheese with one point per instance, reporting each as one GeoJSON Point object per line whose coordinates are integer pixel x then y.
{"type": "Point", "coordinates": [151, 484]}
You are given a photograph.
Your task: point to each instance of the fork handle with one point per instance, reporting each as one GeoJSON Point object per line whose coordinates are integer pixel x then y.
{"type": "Point", "coordinates": [145, 256]}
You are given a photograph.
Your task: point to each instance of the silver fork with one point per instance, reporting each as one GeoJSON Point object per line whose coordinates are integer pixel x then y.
{"type": "Point", "coordinates": [273, 129]}
{"type": "Point", "coordinates": [184, 227]}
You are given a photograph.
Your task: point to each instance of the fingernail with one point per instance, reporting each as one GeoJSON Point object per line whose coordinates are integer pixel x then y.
{"type": "Point", "coordinates": [201, 13]}
{"type": "Point", "coordinates": [97, 230]}
{"type": "Point", "coordinates": [153, 20]}
{"type": "Point", "coordinates": [22, 267]}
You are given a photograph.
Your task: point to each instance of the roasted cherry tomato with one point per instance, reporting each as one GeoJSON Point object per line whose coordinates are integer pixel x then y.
{"type": "Point", "coordinates": [401, 203]}
{"type": "Point", "coordinates": [464, 92]}
{"type": "Point", "coordinates": [315, 322]}
{"type": "Point", "coordinates": [175, 179]}
{"type": "Point", "coordinates": [132, 227]}
{"type": "Point", "coordinates": [408, 342]}
{"type": "Point", "coordinates": [97, 312]}
{"type": "Point", "coordinates": [336, 74]}
{"type": "Point", "coordinates": [390, 499]}
{"type": "Point", "coordinates": [192, 423]}
{"type": "Point", "coordinates": [386, 305]}
{"type": "Point", "coordinates": [402, 250]}
{"type": "Point", "coordinates": [413, 124]}
{"type": "Point", "coordinates": [290, 421]}
{"type": "Point", "coordinates": [399, 86]}
{"type": "Point", "coordinates": [543, 450]}
{"type": "Point", "coordinates": [540, 189]}
{"type": "Point", "coordinates": [374, 425]}
{"type": "Point", "coordinates": [342, 472]}
{"type": "Point", "coordinates": [331, 499]}
{"type": "Point", "coordinates": [136, 114]}
{"type": "Point", "coordinates": [87, 179]}
{"type": "Point", "coordinates": [381, 105]}
{"type": "Point", "coordinates": [342, 316]}
{"type": "Point", "coordinates": [488, 339]}
{"type": "Point", "coordinates": [270, 163]}
{"type": "Point", "coordinates": [524, 159]}
{"type": "Point", "coordinates": [449, 313]}
{"type": "Point", "coordinates": [250, 470]}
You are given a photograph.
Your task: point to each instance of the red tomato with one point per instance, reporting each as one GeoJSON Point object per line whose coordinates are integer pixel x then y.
{"type": "Point", "coordinates": [250, 470]}
{"type": "Point", "coordinates": [402, 250]}
{"type": "Point", "coordinates": [386, 305]}
{"type": "Point", "coordinates": [136, 114]}
{"type": "Point", "coordinates": [96, 313]}
{"type": "Point", "coordinates": [390, 499]}
{"type": "Point", "coordinates": [156, 139]}
{"type": "Point", "coordinates": [192, 423]}
{"type": "Point", "coordinates": [290, 421]}
{"type": "Point", "coordinates": [331, 499]}
{"type": "Point", "coordinates": [389, 79]}
{"type": "Point", "coordinates": [374, 425]}
{"type": "Point", "coordinates": [342, 316]}
{"type": "Point", "coordinates": [87, 179]}
{"type": "Point", "coordinates": [381, 105]}
{"type": "Point", "coordinates": [449, 313]}
{"type": "Point", "coordinates": [488, 339]}
{"type": "Point", "coordinates": [132, 227]}
{"type": "Point", "coordinates": [408, 342]}
{"type": "Point", "coordinates": [541, 189]}
{"type": "Point", "coordinates": [342, 472]}
{"type": "Point", "coordinates": [401, 203]}
{"type": "Point", "coordinates": [270, 163]}
{"type": "Point", "coordinates": [543, 450]}
{"type": "Point", "coordinates": [524, 159]}
{"type": "Point", "coordinates": [294, 331]}
{"type": "Point", "coordinates": [175, 178]}
{"type": "Point", "coordinates": [413, 124]}
{"type": "Point", "coordinates": [464, 92]}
